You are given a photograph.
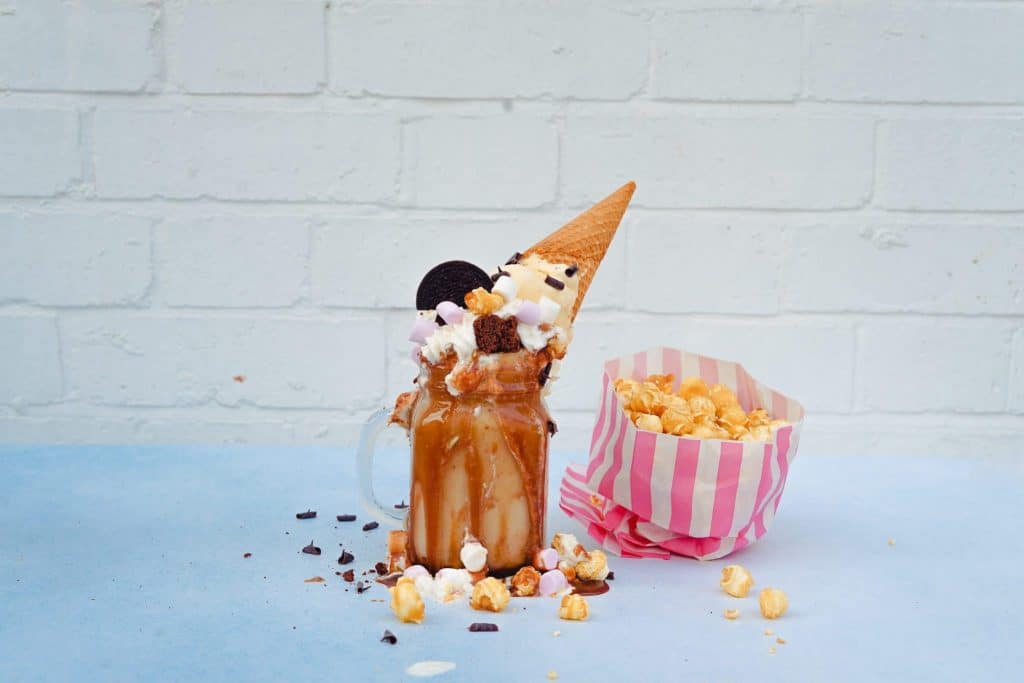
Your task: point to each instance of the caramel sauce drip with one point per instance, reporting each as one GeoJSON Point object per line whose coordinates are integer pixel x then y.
{"type": "Point", "coordinates": [479, 462]}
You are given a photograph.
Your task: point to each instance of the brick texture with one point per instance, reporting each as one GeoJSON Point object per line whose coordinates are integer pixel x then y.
{"type": "Point", "coordinates": [39, 149]}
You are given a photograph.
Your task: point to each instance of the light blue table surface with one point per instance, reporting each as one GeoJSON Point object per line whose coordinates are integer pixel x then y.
{"type": "Point", "coordinates": [125, 564]}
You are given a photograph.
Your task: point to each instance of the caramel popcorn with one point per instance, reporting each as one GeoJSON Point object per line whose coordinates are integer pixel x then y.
{"type": "Point", "coordinates": [696, 410]}
{"type": "Point", "coordinates": [573, 608]}
{"type": "Point", "coordinates": [569, 549]}
{"type": "Point", "coordinates": [736, 581]}
{"type": "Point", "coordinates": [406, 602]}
{"type": "Point", "coordinates": [773, 603]}
{"type": "Point", "coordinates": [593, 566]}
{"type": "Point", "coordinates": [490, 594]}
{"type": "Point", "coordinates": [731, 614]}
{"type": "Point", "coordinates": [568, 569]}
{"type": "Point", "coordinates": [525, 582]}
{"type": "Point", "coordinates": [482, 302]}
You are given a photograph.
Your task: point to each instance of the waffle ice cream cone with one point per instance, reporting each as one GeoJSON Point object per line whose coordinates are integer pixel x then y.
{"type": "Point", "coordinates": [585, 239]}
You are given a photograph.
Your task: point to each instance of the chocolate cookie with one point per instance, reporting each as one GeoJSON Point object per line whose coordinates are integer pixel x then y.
{"type": "Point", "coordinates": [450, 281]}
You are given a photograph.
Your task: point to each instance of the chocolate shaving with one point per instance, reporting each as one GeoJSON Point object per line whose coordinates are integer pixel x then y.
{"type": "Point", "coordinates": [362, 587]}
{"type": "Point", "coordinates": [311, 549]}
{"type": "Point", "coordinates": [349, 575]}
{"type": "Point", "coordinates": [610, 577]}
{"type": "Point", "coordinates": [345, 557]}
{"type": "Point", "coordinates": [571, 270]}
{"type": "Point", "coordinates": [239, 378]}
{"type": "Point", "coordinates": [482, 628]}
{"type": "Point", "coordinates": [500, 274]}
{"type": "Point", "coordinates": [381, 568]}
{"type": "Point", "coordinates": [308, 514]}
{"type": "Point", "coordinates": [401, 506]}
{"type": "Point", "coordinates": [497, 335]}
{"type": "Point", "coordinates": [389, 638]}
{"type": "Point", "coordinates": [552, 427]}
{"type": "Point", "coordinates": [314, 579]}
{"type": "Point", "coordinates": [247, 555]}
{"type": "Point", "coordinates": [552, 282]}
{"type": "Point", "coordinates": [545, 373]}
{"type": "Point", "coordinates": [514, 260]}
{"type": "Point", "coordinates": [370, 526]}
{"type": "Point", "coordinates": [346, 518]}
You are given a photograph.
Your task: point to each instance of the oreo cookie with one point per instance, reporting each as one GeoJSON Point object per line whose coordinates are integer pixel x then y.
{"type": "Point", "coordinates": [450, 281]}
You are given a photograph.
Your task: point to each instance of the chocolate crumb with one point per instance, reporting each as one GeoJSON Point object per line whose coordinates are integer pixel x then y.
{"type": "Point", "coordinates": [308, 514]}
{"type": "Point", "coordinates": [571, 270]}
{"type": "Point", "coordinates": [500, 274]}
{"type": "Point", "coordinates": [349, 575]}
{"type": "Point", "coordinates": [239, 378]}
{"type": "Point", "coordinates": [389, 638]}
{"type": "Point", "coordinates": [482, 628]}
{"type": "Point", "coordinates": [247, 555]}
{"type": "Point", "coordinates": [514, 260]}
{"type": "Point", "coordinates": [345, 557]}
{"type": "Point", "coordinates": [496, 335]}
{"type": "Point", "coordinates": [314, 579]}
{"type": "Point", "coordinates": [311, 549]}
{"type": "Point", "coordinates": [552, 282]}
{"type": "Point", "coordinates": [401, 506]}
{"type": "Point", "coordinates": [346, 518]}
{"type": "Point", "coordinates": [610, 577]}
{"type": "Point", "coordinates": [545, 373]}
{"type": "Point", "coordinates": [362, 587]}
{"type": "Point", "coordinates": [370, 526]}
{"type": "Point", "coordinates": [381, 568]}
{"type": "Point", "coordinates": [552, 427]}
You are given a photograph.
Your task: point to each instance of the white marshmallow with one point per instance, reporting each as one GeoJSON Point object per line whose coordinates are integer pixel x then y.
{"type": "Point", "coordinates": [507, 287]}
{"type": "Point", "coordinates": [549, 309]}
{"type": "Point", "coordinates": [474, 554]}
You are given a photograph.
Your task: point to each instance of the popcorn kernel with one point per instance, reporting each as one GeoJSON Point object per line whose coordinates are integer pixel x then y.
{"type": "Point", "coordinates": [573, 608]}
{"type": "Point", "coordinates": [482, 302]}
{"type": "Point", "coordinates": [649, 423]}
{"type": "Point", "coordinates": [773, 603]}
{"type": "Point", "coordinates": [490, 594]}
{"type": "Point", "coordinates": [736, 581]}
{"type": "Point", "coordinates": [593, 566]}
{"type": "Point", "coordinates": [406, 602]}
{"type": "Point", "coordinates": [731, 614]}
{"type": "Point", "coordinates": [525, 582]}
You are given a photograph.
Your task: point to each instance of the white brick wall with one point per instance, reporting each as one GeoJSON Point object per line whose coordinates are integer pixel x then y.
{"type": "Point", "coordinates": [197, 190]}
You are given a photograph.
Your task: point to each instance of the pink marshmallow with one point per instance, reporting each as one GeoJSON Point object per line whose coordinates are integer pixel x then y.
{"type": "Point", "coordinates": [528, 313]}
{"type": "Point", "coordinates": [553, 582]}
{"type": "Point", "coordinates": [415, 571]}
{"type": "Point", "coordinates": [547, 559]}
{"type": "Point", "coordinates": [421, 329]}
{"type": "Point", "coordinates": [450, 312]}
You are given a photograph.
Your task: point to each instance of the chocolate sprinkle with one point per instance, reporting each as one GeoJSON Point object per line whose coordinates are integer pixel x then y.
{"type": "Point", "coordinates": [514, 260]}
{"type": "Point", "coordinates": [362, 587]}
{"type": "Point", "coordinates": [381, 568]}
{"type": "Point", "coordinates": [346, 518]}
{"type": "Point", "coordinates": [477, 627]}
{"type": "Point", "coordinates": [311, 549]}
{"type": "Point", "coordinates": [349, 575]}
{"type": "Point", "coordinates": [552, 282]}
{"type": "Point", "coordinates": [571, 270]}
{"type": "Point", "coordinates": [545, 373]}
{"type": "Point", "coordinates": [500, 274]}
{"type": "Point", "coordinates": [610, 577]}
{"type": "Point", "coordinates": [247, 555]}
{"type": "Point", "coordinates": [308, 514]}
{"type": "Point", "coordinates": [370, 526]}
{"type": "Point", "coordinates": [389, 638]}
{"type": "Point", "coordinates": [552, 427]}
{"type": "Point", "coordinates": [345, 557]}
{"type": "Point", "coordinates": [496, 335]}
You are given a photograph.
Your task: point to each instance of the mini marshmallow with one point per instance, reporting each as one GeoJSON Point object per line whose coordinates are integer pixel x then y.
{"type": "Point", "coordinates": [451, 313]}
{"type": "Point", "coordinates": [552, 583]}
{"type": "Point", "coordinates": [549, 309]}
{"type": "Point", "coordinates": [507, 287]}
{"type": "Point", "coordinates": [528, 313]}
{"type": "Point", "coordinates": [421, 329]}
{"type": "Point", "coordinates": [546, 560]}
{"type": "Point", "coordinates": [474, 554]}
{"type": "Point", "coordinates": [415, 571]}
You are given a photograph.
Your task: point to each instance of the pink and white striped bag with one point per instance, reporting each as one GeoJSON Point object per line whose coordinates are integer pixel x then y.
{"type": "Point", "coordinates": [652, 495]}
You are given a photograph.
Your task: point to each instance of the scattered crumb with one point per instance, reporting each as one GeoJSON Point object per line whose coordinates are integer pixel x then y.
{"type": "Point", "coordinates": [552, 675]}
{"type": "Point", "coordinates": [731, 614]}
{"type": "Point", "coordinates": [314, 579]}
{"type": "Point", "coordinates": [376, 600]}
{"type": "Point", "coordinates": [556, 634]}
{"type": "Point", "coordinates": [247, 555]}
{"type": "Point", "coordinates": [769, 632]}
{"type": "Point", "coordinates": [239, 378]}
{"type": "Point", "coordinates": [780, 640]}
{"type": "Point", "coordinates": [892, 542]}
{"type": "Point", "coordinates": [771, 650]}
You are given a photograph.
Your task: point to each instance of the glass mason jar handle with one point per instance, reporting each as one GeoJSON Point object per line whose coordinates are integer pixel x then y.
{"type": "Point", "coordinates": [376, 424]}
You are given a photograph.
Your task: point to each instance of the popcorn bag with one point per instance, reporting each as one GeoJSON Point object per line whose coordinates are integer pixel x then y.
{"type": "Point", "coordinates": [645, 494]}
